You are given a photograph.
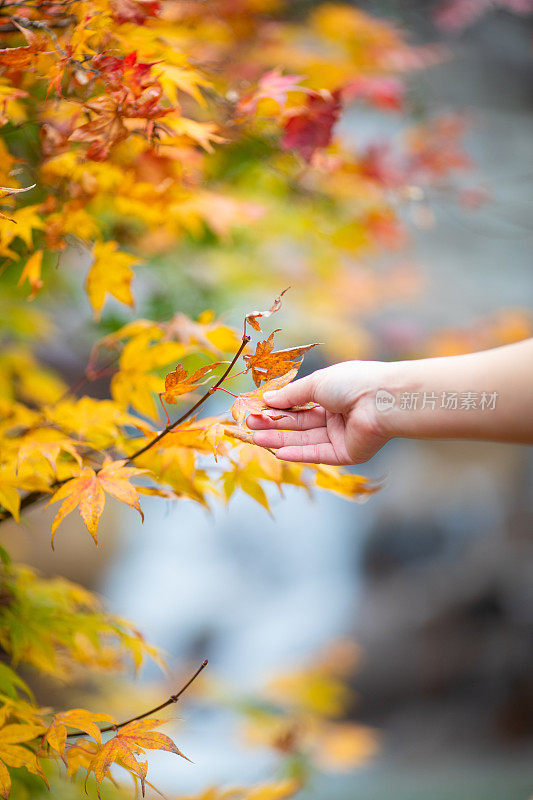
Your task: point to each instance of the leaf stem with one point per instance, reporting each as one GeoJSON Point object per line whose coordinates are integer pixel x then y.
{"type": "Point", "coordinates": [172, 699]}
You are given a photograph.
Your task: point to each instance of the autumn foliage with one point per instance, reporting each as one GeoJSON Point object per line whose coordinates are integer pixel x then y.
{"type": "Point", "coordinates": [135, 134]}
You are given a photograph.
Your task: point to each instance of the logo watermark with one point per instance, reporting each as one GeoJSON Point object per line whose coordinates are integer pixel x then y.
{"type": "Point", "coordinates": [384, 400]}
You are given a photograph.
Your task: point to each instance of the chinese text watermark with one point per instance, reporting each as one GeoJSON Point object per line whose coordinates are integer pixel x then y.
{"type": "Point", "coordinates": [450, 401]}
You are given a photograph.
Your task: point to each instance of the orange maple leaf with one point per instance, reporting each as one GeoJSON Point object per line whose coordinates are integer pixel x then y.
{"type": "Point", "coordinates": [253, 403]}
{"type": "Point", "coordinates": [253, 316]}
{"type": "Point", "coordinates": [267, 363]}
{"type": "Point", "coordinates": [104, 130]}
{"type": "Point", "coordinates": [16, 58]}
{"type": "Point", "coordinates": [180, 382]}
{"type": "Point", "coordinates": [87, 491]}
{"type": "Point", "coordinates": [129, 742]}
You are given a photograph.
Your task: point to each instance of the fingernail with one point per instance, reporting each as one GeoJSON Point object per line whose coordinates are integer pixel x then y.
{"type": "Point", "coordinates": [269, 396]}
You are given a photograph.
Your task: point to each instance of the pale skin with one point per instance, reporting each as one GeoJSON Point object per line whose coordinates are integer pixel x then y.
{"type": "Point", "coordinates": [348, 428]}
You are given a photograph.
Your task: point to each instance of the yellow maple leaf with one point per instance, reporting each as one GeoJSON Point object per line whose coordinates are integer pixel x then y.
{"type": "Point", "coordinates": [202, 133]}
{"type": "Point", "coordinates": [98, 422]}
{"type": "Point", "coordinates": [87, 491]}
{"type": "Point", "coordinates": [130, 741]}
{"type": "Point", "coordinates": [353, 487]}
{"type": "Point", "coordinates": [10, 499]}
{"type": "Point", "coordinates": [176, 76]}
{"type": "Point", "coordinates": [13, 754]}
{"type": "Point", "coordinates": [134, 384]}
{"type": "Point", "coordinates": [48, 446]}
{"type": "Point", "coordinates": [78, 718]}
{"type": "Point", "coordinates": [110, 273]}
{"type": "Point", "coordinates": [32, 273]}
{"type": "Point", "coordinates": [27, 220]}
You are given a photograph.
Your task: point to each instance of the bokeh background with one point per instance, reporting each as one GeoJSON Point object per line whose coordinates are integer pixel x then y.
{"type": "Point", "coordinates": [433, 576]}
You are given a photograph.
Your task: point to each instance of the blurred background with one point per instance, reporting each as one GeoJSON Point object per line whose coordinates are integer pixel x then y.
{"type": "Point", "coordinates": [433, 576]}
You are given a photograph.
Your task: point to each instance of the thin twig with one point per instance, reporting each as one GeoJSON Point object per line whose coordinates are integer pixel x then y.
{"type": "Point", "coordinates": [172, 699]}
{"type": "Point", "coordinates": [201, 401]}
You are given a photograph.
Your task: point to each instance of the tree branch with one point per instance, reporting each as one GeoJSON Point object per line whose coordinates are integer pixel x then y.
{"type": "Point", "coordinates": [11, 27]}
{"type": "Point", "coordinates": [172, 699]}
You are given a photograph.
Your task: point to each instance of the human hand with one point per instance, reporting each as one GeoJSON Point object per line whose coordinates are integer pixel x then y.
{"type": "Point", "coordinates": [345, 428]}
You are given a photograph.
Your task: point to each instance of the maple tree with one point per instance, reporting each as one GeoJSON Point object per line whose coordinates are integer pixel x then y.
{"type": "Point", "coordinates": [163, 140]}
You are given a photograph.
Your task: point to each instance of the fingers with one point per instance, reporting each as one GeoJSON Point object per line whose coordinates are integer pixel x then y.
{"type": "Point", "coordinates": [284, 439]}
{"type": "Point", "coordinates": [294, 394]}
{"type": "Point", "coordinates": [294, 421]}
{"type": "Point", "coordinates": [309, 454]}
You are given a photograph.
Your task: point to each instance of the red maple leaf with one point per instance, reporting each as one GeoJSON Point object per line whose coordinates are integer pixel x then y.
{"type": "Point", "coordinates": [135, 11]}
{"type": "Point", "coordinates": [311, 127]}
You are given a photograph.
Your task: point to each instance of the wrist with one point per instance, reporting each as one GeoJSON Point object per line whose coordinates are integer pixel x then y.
{"type": "Point", "coordinates": [399, 379]}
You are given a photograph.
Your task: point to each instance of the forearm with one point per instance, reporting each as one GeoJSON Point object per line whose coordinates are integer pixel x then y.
{"type": "Point", "coordinates": [486, 395]}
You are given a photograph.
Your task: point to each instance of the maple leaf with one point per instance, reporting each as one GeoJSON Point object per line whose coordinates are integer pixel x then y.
{"type": "Point", "coordinates": [202, 133]}
{"type": "Point", "coordinates": [79, 755]}
{"type": "Point", "coordinates": [13, 754]}
{"type": "Point", "coordinates": [353, 487]}
{"type": "Point", "coordinates": [17, 58]}
{"type": "Point", "coordinates": [129, 742]}
{"type": "Point", "coordinates": [78, 718]}
{"type": "Point", "coordinates": [110, 273]}
{"type": "Point", "coordinates": [253, 403]}
{"type": "Point", "coordinates": [32, 273]}
{"type": "Point", "coordinates": [87, 491]}
{"type": "Point", "coordinates": [311, 128]}
{"type": "Point", "coordinates": [9, 107]}
{"type": "Point", "coordinates": [244, 435]}
{"type": "Point", "coordinates": [104, 130]}
{"type": "Point", "coordinates": [28, 219]}
{"type": "Point", "coordinates": [179, 381]}
{"type": "Point", "coordinates": [48, 449]}
{"type": "Point", "coordinates": [239, 433]}
{"type": "Point", "coordinates": [213, 436]}
{"type": "Point", "coordinates": [9, 496]}
{"type": "Point", "coordinates": [134, 384]}
{"type": "Point", "coordinates": [253, 316]}
{"type": "Point", "coordinates": [266, 363]}
{"type": "Point", "coordinates": [136, 11]}
{"type": "Point", "coordinates": [137, 100]}
{"type": "Point", "coordinates": [175, 75]}
{"type": "Point", "coordinates": [127, 71]}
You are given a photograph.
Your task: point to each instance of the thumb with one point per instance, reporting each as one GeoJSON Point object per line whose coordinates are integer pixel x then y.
{"type": "Point", "coordinates": [294, 394]}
